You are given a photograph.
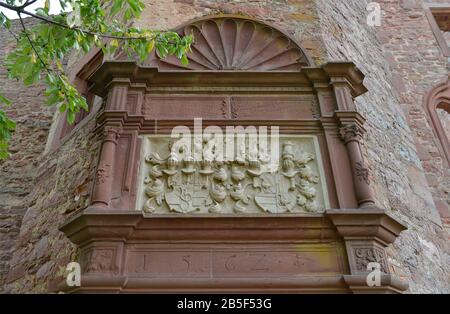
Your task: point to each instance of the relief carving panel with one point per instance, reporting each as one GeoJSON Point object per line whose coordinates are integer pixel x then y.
{"type": "Point", "coordinates": [364, 256]}
{"type": "Point", "coordinates": [170, 183]}
{"type": "Point", "coordinates": [97, 260]}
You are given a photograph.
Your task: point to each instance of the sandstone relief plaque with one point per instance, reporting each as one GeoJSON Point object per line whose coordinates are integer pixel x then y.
{"type": "Point", "coordinates": [172, 181]}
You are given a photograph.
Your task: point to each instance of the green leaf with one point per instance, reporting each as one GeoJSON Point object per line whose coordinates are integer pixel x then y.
{"type": "Point", "coordinates": [151, 45]}
{"type": "Point", "coordinates": [5, 100]}
{"type": "Point", "coordinates": [62, 108]}
{"type": "Point", "coordinates": [6, 127]}
{"type": "Point", "coordinates": [184, 60]}
{"type": "Point", "coordinates": [70, 117]}
{"type": "Point", "coordinates": [4, 20]}
{"type": "Point", "coordinates": [63, 4]}
{"type": "Point", "coordinates": [4, 150]}
{"type": "Point", "coordinates": [114, 43]}
{"type": "Point", "coordinates": [117, 5]}
{"type": "Point", "coordinates": [135, 6]}
{"type": "Point", "coordinates": [162, 50]}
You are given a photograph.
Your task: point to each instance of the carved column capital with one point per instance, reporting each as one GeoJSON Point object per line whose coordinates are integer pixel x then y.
{"type": "Point", "coordinates": [351, 133]}
{"type": "Point", "coordinates": [111, 134]}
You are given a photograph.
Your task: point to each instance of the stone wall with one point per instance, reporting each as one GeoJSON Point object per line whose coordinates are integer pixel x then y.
{"type": "Point", "coordinates": [398, 74]}
{"type": "Point", "coordinates": [38, 192]}
{"type": "Point", "coordinates": [18, 172]}
{"type": "Point", "coordinates": [397, 172]}
{"type": "Point", "coordinates": [62, 188]}
{"type": "Point", "coordinates": [297, 18]}
{"type": "Point", "coordinates": [418, 66]}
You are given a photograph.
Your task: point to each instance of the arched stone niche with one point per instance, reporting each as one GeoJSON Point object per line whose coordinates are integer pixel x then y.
{"type": "Point", "coordinates": [242, 73]}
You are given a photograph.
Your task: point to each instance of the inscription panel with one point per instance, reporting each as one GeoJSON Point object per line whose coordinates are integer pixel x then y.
{"type": "Point", "coordinates": [169, 263]}
{"type": "Point", "coordinates": [230, 107]}
{"type": "Point", "coordinates": [278, 263]}
{"type": "Point", "coordinates": [183, 107]}
{"type": "Point", "coordinates": [326, 260]}
{"type": "Point", "coordinates": [273, 108]}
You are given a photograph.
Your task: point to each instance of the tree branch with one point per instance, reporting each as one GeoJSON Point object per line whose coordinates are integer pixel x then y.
{"type": "Point", "coordinates": [13, 34]}
{"type": "Point", "coordinates": [32, 44]}
{"type": "Point", "coordinates": [27, 3]}
{"type": "Point", "coordinates": [45, 19]}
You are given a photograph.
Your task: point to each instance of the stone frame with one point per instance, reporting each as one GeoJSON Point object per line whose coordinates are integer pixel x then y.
{"type": "Point", "coordinates": [437, 7]}
{"type": "Point", "coordinates": [439, 97]}
{"type": "Point", "coordinates": [109, 229]}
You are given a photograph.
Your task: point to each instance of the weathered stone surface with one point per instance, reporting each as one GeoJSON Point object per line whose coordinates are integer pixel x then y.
{"type": "Point", "coordinates": [393, 109]}
{"type": "Point", "coordinates": [401, 61]}
{"type": "Point", "coordinates": [18, 172]}
{"type": "Point", "coordinates": [41, 250]}
{"type": "Point", "coordinates": [36, 190]}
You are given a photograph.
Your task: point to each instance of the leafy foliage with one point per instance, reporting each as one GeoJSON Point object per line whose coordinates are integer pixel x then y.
{"type": "Point", "coordinates": [6, 127]}
{"type": "Point", "coordinates": [84, 24]}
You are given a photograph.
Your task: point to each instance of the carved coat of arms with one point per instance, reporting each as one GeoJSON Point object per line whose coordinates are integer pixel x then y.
{"type": "Point", "coordinates": [241, 186]}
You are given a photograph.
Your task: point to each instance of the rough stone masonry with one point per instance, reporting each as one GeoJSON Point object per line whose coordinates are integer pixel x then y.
{"type": "Point", "coordinates": [40, 188]}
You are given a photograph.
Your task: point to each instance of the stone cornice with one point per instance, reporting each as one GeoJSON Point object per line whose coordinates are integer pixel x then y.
{"type": "Point", "coordinates": [344, 73]}
{"type": "Point", "coordinates": [368, 223]}
{"type": "Point", "coordinates": [129, 72]}
{"type": "Point", "coordinates": [126, 225]}
{"type": "Point", "coordinates": [389, 284]}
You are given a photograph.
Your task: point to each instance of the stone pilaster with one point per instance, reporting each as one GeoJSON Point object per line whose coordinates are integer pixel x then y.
{"type": "Point", "coordinates": [104, 178]}
{"type": "Point", "coordinates": [351, 134]}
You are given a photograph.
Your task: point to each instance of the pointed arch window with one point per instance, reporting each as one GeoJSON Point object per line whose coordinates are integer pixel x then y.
{"type": "Point", "coordinates": [437, 105]}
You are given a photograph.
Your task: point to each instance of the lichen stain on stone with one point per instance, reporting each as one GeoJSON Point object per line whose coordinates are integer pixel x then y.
{"type": "Point", "coordinates": [302, 17]}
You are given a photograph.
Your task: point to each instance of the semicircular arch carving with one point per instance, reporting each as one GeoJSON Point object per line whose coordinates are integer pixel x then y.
{"type": "Point", "coordinates": [230, 43]}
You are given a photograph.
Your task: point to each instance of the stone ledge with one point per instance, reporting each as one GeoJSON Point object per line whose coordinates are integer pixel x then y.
{"type": "Point", "coordinates": [389, 284]}
{"type": "Point", "coordinates": [95, 223]}
{"type": "Point", "coordinates": [366, 223]}
{"type": "Point", "coordinates": [127, 284]}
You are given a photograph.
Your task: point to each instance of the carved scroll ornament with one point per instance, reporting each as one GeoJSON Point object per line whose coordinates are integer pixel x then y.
{"type": "Point", "coordinates": [364, 256]}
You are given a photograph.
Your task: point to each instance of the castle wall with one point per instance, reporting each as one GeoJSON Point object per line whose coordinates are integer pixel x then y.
{"type": "Point", "coordinates": [18, 172]}
{"type": "Point", "coordinates": [401, 62]}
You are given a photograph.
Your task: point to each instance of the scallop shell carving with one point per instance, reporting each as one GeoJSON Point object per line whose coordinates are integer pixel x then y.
{"type": "Point", "coordinates": [234, 44]}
